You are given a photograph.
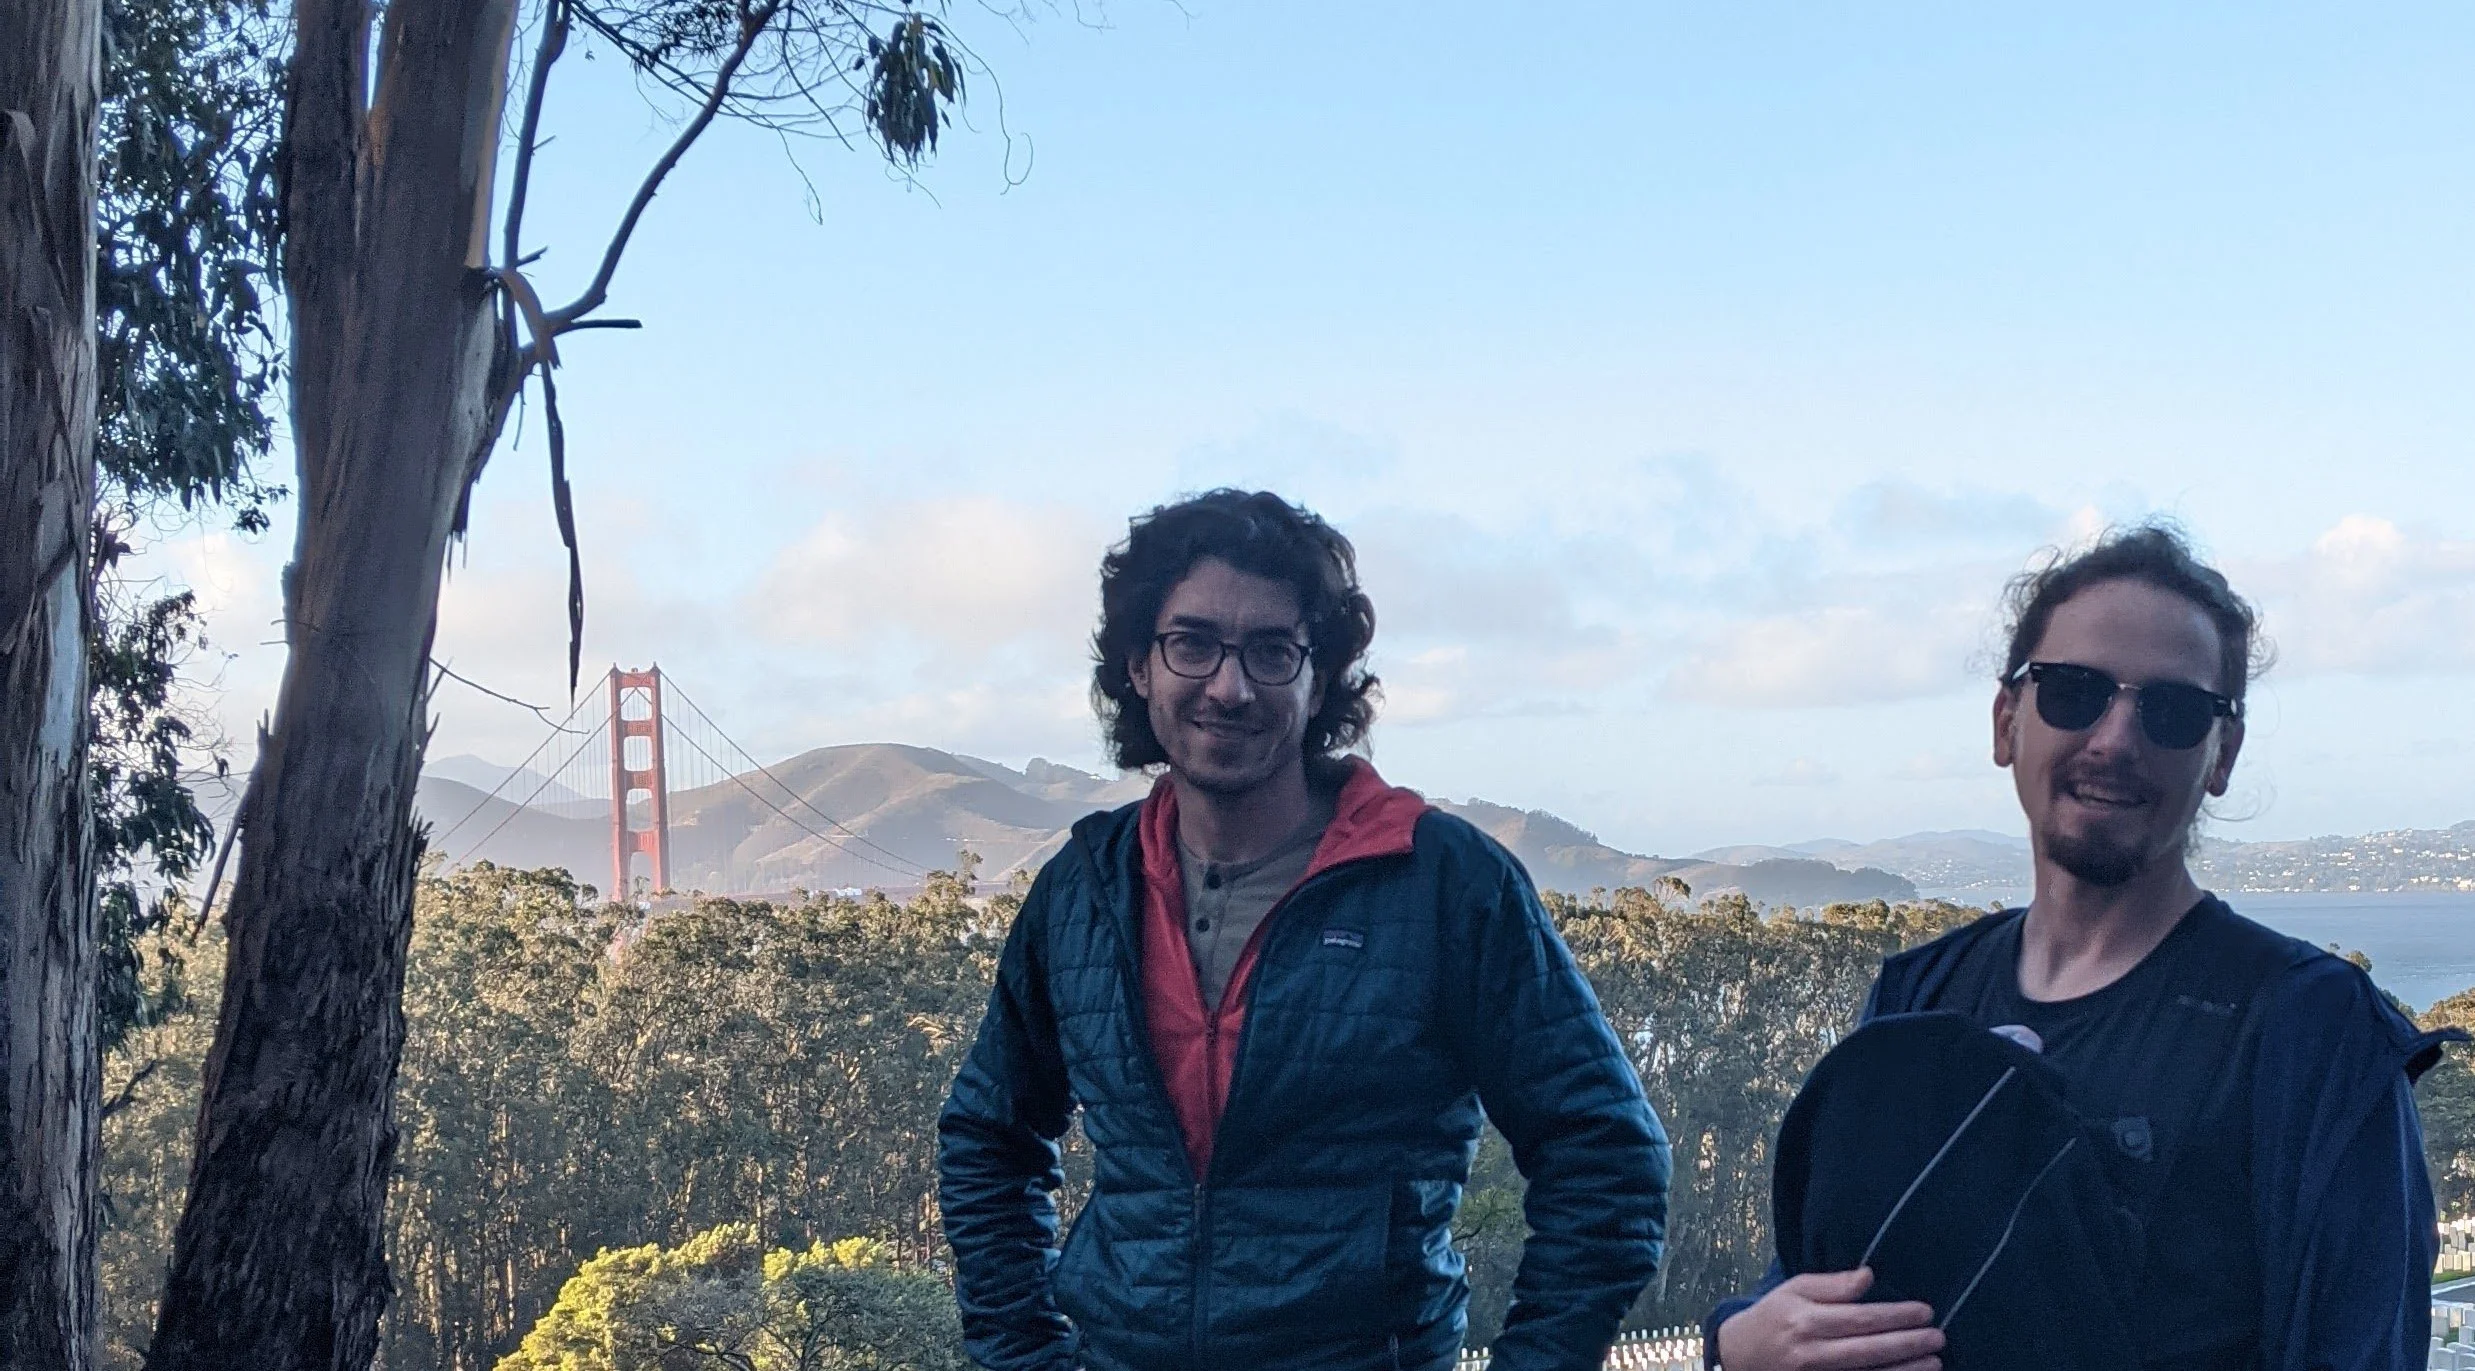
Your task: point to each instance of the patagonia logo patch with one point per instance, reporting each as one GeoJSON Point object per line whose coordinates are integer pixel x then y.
{"type": "Point", "coordinates": [1343, 937]}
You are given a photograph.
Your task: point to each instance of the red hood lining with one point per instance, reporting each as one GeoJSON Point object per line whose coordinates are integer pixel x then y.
{"type": "Point", "coordinates": [1196, 1048]}
{"type": "Point", "coordinates": [1369, 819]}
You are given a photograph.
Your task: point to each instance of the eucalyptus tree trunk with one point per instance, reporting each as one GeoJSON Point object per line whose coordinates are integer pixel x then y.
{"type": "Point", "coordinates": [50, 1090]}
{"type": "Point", "coordinates": [279, 1262]}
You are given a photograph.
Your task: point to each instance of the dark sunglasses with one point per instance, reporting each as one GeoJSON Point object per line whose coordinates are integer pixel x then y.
{"type": "Point", "coordinates": [2172, 714]}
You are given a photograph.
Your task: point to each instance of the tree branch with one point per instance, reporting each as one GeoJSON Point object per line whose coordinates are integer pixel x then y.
{"type": "Point", "coordinates": [751, 27]}
{"type": "Point", "coordinates": [128, 1092]}
{"type": "Point", "coordinates": [553, 43]}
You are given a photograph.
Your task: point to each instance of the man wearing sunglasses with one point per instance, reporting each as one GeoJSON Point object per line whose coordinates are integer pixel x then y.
{"type": "Point", "coordinates": [2251, 1095]}
{"type": "Point", "coordinates": [1280, 991]}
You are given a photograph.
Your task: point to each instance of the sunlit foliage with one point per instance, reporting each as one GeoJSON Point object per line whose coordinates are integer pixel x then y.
{"type": "Point", "coordinates": [676, 1111]}
{"type": "Point", "coordinates": [722, 1300]}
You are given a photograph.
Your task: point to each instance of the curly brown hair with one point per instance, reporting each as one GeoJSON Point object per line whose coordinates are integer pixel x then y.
{"type": "Point", "coordinates": [1263, 535]}
{"type": "Point", "coordinates": [2154, 553]}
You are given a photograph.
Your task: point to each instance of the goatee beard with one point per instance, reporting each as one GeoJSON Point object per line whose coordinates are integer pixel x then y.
{"type": "Point", "coordinates": [2096, 861]}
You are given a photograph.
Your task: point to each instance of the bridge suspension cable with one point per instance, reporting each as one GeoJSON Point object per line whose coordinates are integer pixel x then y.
{"type": "Point", "coordinates": [908, 871]}
{"type": "Point", "coordinates": [906, 866]}
{"type": "Point", "coordinates": [527, 802]}
{"type": "Point", "coordinates": [580, 785]}
{"type": "Point", "coordinates": [522, 768]}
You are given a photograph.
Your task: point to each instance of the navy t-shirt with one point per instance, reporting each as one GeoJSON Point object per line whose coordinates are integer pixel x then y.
{"type": "Point", "coordinates": [2161, 1061]}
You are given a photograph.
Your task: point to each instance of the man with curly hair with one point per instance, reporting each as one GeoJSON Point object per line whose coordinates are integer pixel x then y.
{"type": "Point", "coordinates": [1281, 992]}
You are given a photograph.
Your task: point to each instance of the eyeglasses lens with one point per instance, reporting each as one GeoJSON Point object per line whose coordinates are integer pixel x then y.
{"type": "Point", "coordinates": [2173, 715]}
{"type": "Point", "coordinates": [2176, 716]}
{"type": "Point", "coordinates": [1266, 661]}
{"type": "Point", "coordinates": [2072, 698]}
{"type": "Point", "coordinates": [1190, 654]}
{"type": "Point", "coordinates": [1271, 661]}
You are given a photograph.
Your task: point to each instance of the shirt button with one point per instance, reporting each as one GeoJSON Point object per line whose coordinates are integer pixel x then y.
{"type": "Point", "coordinates": [1211, 880]}
{"type": "Point", "coordinates": [1203, 925]}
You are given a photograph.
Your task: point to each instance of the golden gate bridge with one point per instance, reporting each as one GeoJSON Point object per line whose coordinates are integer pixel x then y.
{"type": "Point", "coordinates": [622, 751]}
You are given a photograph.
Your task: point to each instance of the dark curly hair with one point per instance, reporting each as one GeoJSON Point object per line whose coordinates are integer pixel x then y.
{"type": "Point", "coordinates": [1260, 534]}
{"type": "Point", "coordinates": [2157, 554]}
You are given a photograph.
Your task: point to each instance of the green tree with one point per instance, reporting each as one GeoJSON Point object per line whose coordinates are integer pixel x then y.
{"type": "Point", "coordinates": [1723, 1009]}
{"type": "Point", "coordinates": [187, 236]}
{"type": "Point", "coordinates": [2446, 1098]}
{"type": "Point", "coordinates": [786, 1063]}
{"type": "Point", "coordinates": [507, 1171]}
{"type": "Point", "coordinates": [412, 331]}
{"type": "Point", "coordinates": [576, 1079]}
{"type": "Point", "coordinates": [720, 1300]}
{"type": "Point", "coordinates": [150, 1116]}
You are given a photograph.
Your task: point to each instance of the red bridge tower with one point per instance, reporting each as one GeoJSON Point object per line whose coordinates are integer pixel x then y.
{"type": "Point", "coordinates": [636, 713]}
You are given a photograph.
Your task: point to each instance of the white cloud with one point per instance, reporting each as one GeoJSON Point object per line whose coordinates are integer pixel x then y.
{"type": "Point", "coordinates": [1904, 515]}
{"type": "Point", "coordinates": [1802, 771]}
{"type": "Point", "coordinates": [2369, 597]}
{"type": "Point", "coordinates": [1009, 718]}
{"type": "Point", "coordinates": [1842, 654]}
{"type": "Point", "coordinates": [1951, 765]}
{"type": "Point", "coordinates": [965, 575]}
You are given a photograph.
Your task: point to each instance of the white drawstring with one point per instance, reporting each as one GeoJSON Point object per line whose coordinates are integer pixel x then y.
{"type": "Point", "coordinates": [1945, 1320]}
{"type": "Point", "coordinates": [1947, 1144]}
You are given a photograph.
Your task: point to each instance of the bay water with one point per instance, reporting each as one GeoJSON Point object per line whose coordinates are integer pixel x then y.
{"type": "Point", "coordinates": [2421, 942]}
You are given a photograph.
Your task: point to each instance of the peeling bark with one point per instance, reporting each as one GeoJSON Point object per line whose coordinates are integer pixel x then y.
{"type": "Point", "coordinates": [50, 1085]}
{"type": "Point", "coordinates": [279, 1262]}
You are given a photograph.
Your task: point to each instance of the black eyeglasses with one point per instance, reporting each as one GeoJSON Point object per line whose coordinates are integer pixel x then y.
{"type": "Point", "coordinates": [1268, 660]}
{"type": "Point", "coordinates": [2173, 715]}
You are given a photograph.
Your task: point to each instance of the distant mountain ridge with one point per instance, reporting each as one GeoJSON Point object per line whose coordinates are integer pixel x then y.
{"type": "Point", "coordinates": [878, 814]}
{"type": "Point", "coordinates": [881, 814]}
{"type": "Point", "coordinates": [2400, 859]}
{"type": "Point", "coordinates": [1959, 861]}
{"type": "Point", "coordinates": [1971, 862]}
{"type": "Point", "coordinates": [1563, 856]}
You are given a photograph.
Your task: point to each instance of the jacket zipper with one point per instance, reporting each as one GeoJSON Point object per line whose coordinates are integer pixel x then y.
{"type": "Point", "coordinates": [1203, 1269]}
{"type": "Point", "coordinates": [1203, 1215]}
{"type": "Point", "coordinates": [1256, 945]}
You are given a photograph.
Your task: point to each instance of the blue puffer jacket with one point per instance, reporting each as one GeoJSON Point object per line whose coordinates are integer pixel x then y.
{"type": "Point", "coordinates": [1392, 995]}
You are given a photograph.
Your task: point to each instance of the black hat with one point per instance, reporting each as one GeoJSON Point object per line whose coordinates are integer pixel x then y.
{"type": "Point", "coordinates": [1949, 1160]}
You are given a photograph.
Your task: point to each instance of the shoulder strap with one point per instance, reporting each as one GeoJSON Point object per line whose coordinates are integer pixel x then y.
{"type": "Point", "coordinates": [1921, 978]}
{"type": "Point", "coordinates": [2235, 965]}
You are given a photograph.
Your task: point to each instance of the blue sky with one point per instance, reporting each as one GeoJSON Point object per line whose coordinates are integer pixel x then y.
{"type": "Point", "coordinates": [1691, 377]}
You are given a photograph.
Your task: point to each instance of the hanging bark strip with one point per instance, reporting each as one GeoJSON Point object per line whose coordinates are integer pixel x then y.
{"type": "Point", "coordinates": [564, 501]}
{"type": "Point", "coordinates": [406, 359]}
{"type": "Point", "coordinates": [50, 1088]}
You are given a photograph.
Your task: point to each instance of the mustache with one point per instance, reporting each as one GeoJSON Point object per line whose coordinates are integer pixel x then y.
{"type": "Point", "coordinates": [1214, 714]}
{"type": "Point", "coordinates": [2116, 778]}
{"type": "Point", "coordinates": [1205, 707]}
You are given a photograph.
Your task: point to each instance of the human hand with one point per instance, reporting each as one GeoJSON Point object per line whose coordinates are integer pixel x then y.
{"type": "Point", "coordinates": [1815, 1323]}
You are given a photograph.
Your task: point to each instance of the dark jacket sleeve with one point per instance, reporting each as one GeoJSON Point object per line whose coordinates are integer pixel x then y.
{"type": "Point", "coordinates": [997, 1165]}
{"type": "Point", "coordinates": [1556, 1083]}
{"type": "Point", "coordinates": [2345, 1206]}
